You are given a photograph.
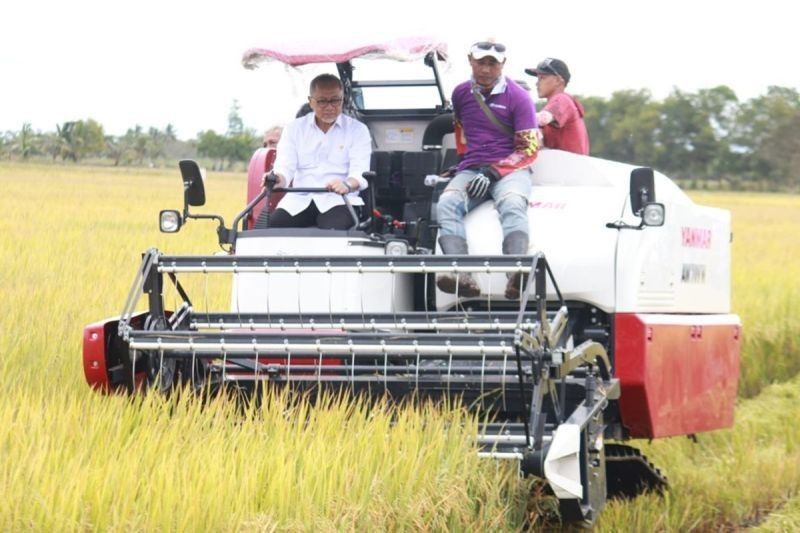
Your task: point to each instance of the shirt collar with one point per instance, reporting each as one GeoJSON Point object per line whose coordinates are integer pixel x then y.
{"type": "Point", "coordinates": [499, 86]}
{"type": "Point", "coordinates": [313, 123]}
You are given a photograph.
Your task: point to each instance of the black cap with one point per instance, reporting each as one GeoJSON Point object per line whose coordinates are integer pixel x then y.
{"type": "Point", "coordinates": [550, 66]}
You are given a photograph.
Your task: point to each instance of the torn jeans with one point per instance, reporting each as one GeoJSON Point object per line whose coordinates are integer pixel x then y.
{"type": "Point", "coordinates": [510, 195]}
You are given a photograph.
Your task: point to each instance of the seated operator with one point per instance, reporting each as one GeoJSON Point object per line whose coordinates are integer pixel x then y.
{"type": "Point", "coordinates": [323, 149]}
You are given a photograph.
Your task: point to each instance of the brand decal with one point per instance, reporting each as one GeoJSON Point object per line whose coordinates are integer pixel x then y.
{"type": "Point", "coordinates": [695, 237]}
{"type": "Point", "coordinates": [692, 273]}
{"type": "Point", "coordinates": [547, 205]}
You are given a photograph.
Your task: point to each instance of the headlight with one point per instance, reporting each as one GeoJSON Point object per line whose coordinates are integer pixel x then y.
{"type": "Point", "coordinates": [653, 215]}
{"type": "Point", "coordinates": [396, 248]}
{"type": "Point", "coordinates": [170, 221]}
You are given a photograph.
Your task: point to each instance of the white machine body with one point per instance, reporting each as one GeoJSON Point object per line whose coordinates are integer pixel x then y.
{"type": "Point", "coordinates": [680, 267]}
{"type": "Point", "coordinates": [317, 293]}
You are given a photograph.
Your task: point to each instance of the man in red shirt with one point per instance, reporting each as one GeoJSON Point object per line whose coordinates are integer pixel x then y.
{"type": "Point", "coordinates": [561, 119]}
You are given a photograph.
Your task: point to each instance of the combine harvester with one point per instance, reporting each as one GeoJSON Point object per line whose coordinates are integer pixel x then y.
{"type": "Point", "coordinates": [623, 331]}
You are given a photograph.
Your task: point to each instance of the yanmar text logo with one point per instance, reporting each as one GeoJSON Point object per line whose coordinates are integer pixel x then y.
{"type": "Point", "coordinates": [695, 237]}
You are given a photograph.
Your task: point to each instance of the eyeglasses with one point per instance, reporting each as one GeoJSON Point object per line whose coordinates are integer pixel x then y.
{"type": "Point", "coordinates": [488, 45]}
{"type": "Point", "coordinates": [331, 102]}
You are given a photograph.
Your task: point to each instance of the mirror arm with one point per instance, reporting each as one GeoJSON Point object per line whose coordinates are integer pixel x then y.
{"type": "Point", "coordinates": [222, 231]}
{"type": "Point", "coordinates": [644, 196]}
{"type": "Point", "coordinates": [619, 224]}
{"type": "Point", "coordinates": [186, 200]}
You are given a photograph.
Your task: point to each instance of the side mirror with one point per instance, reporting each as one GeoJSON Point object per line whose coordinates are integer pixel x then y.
{"type": "Point", "coordinates": [194, 192]}
{"type": "Point", "coordinates": [643, 189]}
{"type": "Point", "coordinates": [643, 201]}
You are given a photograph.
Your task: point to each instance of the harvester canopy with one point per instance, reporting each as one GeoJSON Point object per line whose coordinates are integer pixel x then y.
{"type": "Point", "coordinates": [295, 55]}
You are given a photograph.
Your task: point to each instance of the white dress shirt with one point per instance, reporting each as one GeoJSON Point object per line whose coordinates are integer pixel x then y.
{"type": "Point", "coordinates": [308, 157]}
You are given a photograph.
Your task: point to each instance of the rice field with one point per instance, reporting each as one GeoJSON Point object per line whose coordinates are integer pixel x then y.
{"type": "Point", "coordinates": [72, 459]}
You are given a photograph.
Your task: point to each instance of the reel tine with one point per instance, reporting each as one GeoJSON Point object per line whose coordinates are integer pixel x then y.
{"type": "Point", "coordinates": [425, 290]}
{"type": "Point", "coordinates": [255, 360]}
{"type": "Point", "coordinates": [319, 364]}
{"type": "Point", "coordinates": [416, 369]}
{"type": "Point", "coordinates": [236, 279]}
{"type": "Point", "coordinates": [394, 302]}
{"type": "Point", "coordinates": [385, 367]}
{"type": "Point", "coordinates": [160, 375]}
{"type": "Point", "coordinates": [330, 292]}
{"type": "Point", "coordinates": [458, 278]}
{"type": "Point", "coordinates": [458, 303]}
{"type": "Point", "coordinates": [194, 362]}
{"type": "Point", "coordinates": [361, 273]}
{"type": "Point", "coordinates": [489, 294]}
{"type": "Point", "coordinates": [299, 293]}
{"type": "Point", "coordinates": [483, 367]}
{"type": "Point", "coordinates": [134, 355]}
{"type": "Point", "coordinates": [352, 366]}
{"type": "Point", "coordinates": [288, 359]}
{"type": "Point", "coordinates": [505, 369]}
{"type": "Point", "coordinates": [205, 292]}
{"type": "Point", "coordinates": [224, 361]}
{"type": "Point", "coordinates": [269, 279]}
{"type": "Point", "coordinates": [449, 365]}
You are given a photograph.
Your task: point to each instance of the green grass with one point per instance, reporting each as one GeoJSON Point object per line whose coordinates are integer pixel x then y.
{"type": "Point", "coordinates": [783, 519]}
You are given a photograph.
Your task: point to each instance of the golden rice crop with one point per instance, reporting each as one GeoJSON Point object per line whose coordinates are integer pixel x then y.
{"type": "Point", "coordinates": [72, 459]}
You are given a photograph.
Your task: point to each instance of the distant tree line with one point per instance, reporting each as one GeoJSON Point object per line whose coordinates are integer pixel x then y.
{"type": "Point", "coordinates": [705, 138]}
{"type": "Point", "coordinates": [82, 140]}
{"type": "Point", "coordinates": [237, 144]}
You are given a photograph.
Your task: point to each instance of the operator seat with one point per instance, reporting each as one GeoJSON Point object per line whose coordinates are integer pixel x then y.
{"type": "Point", "coordinates": [433, 139]}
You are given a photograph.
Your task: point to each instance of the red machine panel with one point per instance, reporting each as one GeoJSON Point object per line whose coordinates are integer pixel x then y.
{"type": "Point", "coordinates": [103, 349]}
{"type": "Point", "coordinates": [678, 373]}
{"type": "Point", "coordinates": [94, 354]}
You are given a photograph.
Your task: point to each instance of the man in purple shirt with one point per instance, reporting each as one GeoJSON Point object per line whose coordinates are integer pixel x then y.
{"type": "Point", "coordinates": [497, 145]}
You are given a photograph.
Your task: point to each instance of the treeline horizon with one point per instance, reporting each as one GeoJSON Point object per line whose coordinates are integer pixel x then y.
{"type": "Point", "coordinates": [707, 138]}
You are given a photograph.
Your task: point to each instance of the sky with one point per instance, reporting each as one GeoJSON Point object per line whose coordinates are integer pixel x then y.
{"type": "Point", "coordinates": [163, 62]}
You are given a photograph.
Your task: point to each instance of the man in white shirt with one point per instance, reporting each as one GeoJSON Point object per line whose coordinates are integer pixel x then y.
{"type": "Point", "coordinates": [324, 149]}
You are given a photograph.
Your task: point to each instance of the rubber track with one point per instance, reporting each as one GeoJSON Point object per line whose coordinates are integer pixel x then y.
{"type": "Point", "coordinates": [629, 473]}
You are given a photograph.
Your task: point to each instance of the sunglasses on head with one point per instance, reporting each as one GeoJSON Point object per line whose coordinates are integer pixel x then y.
{"type": "Point", "coordinates": [487, 45]}
{"type": "Point", "coordinates": [547, 66]}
